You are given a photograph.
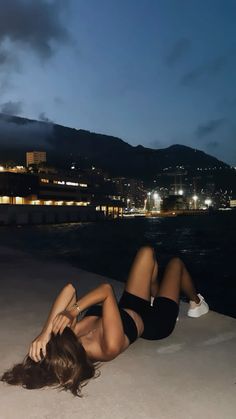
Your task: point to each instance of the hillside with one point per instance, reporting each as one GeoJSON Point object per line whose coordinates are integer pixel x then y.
{"type": "Point", "coordinates": [65, 145]}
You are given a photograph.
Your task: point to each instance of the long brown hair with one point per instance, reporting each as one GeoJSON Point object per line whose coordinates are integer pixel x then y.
{"type": "Point", "coordinates": [66, 366]}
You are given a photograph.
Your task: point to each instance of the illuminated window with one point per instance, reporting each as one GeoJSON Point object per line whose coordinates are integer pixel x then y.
{"type": "Point", "coordinates": [19, 200]}
{"type": "Point", "coordinates": [44, 180]}
{"type": "Point", "coordinates": [72, 183]}
{"type": "Point", "coordinates": [34, 202]}
{"type": "Point", "coordinates": [4, 200]}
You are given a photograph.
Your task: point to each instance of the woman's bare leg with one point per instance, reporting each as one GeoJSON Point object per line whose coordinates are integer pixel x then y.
{"type": "Point", "coordinates": [177, 278]}
{"type": "Point", "coordinates": [142, 279]}
{"type": "Point", "coordinates": [154, 282]}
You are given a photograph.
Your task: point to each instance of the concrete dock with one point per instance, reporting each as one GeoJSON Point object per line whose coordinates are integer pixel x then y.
{"type": "Point", "coordinates": [189, 375]}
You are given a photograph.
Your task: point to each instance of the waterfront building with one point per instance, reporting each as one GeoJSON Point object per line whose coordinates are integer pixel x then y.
{"type": "Point", "coordinates": [46, 189]}
{"type": "Point", "coordinates": [17, 188]}
{"type": "Point", "coordinates": [56, 189]}
{"type": "Point", "coordinates": [104, 195]}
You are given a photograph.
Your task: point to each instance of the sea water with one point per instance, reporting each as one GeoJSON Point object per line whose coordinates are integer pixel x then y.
{"type": "Point", "coordinates": [206, 243]}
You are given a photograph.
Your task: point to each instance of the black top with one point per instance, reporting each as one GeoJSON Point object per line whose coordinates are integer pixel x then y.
{"type": "Point", "coordinates": [129, 326]}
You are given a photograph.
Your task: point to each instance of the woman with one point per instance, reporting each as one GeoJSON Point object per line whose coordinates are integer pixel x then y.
{"type": "Point", "coordinates": [71, 349]}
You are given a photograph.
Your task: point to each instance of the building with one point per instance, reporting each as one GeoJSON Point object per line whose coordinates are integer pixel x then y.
{"type": "Point", "coordinates": [49, 186]}
{"type": "Point", "coordinates": [131, 191]}
{"type": "Point", "coordinates": [175, 202]}
{"type": "Point", "coordinates": [59, 189]}
{"type": "Point", "coordinates": [43, 189]}
{"type": "Point", "coordinates": [233, 203]}
{"type": "Point", "coordinates": [104, 194]}
{"type": "Point", "coordinates": [17, 188]}
{"type": "Point", "coordinates": [35, 158]}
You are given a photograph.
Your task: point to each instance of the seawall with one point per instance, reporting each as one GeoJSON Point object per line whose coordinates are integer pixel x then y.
{"type": "Point", "coordinates": [46, 214]}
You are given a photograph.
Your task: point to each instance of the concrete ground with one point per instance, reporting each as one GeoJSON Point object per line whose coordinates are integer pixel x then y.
{"type": "Point", "coordinates": [189, 375]}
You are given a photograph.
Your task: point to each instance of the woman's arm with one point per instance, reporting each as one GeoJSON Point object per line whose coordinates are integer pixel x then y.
{"type": "Point", "coordinates": [113, 333]}
{"type": "Point", "coordinates": [62, 302]}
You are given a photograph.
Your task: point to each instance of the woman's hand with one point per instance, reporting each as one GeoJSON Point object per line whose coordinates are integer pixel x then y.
{"type": "Point", "coordinates": [62, 320]}
{"type": "Point", "coordinates": [38, 344]}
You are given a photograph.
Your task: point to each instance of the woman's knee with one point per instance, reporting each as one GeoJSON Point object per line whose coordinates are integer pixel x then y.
{"type": "Point", "coordinates": [176, 262]}
{"type": "Point", "coordinates": [147, 251]}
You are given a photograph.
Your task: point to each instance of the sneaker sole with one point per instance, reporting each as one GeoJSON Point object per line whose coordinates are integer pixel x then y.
{"type": "Point", "coordinates": [195, 314]}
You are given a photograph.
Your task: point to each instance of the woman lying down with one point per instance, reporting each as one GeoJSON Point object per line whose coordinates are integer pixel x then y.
{"type": "Point", "coordinates": [67, 353]}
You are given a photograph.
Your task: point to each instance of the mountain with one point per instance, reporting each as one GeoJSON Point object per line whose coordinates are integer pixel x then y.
{"type": "Point", "coordinates": [66, 145]}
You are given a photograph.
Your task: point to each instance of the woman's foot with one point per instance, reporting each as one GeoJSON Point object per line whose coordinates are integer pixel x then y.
{"type": "Point", "coordinates": [197, 310]}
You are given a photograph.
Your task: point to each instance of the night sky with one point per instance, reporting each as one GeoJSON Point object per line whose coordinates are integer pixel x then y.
{"type": "Point", "coordinates": [152, 72]}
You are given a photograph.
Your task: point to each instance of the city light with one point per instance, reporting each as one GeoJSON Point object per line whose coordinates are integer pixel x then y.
{"type": "Point", "coordinates": [145, 204]}
{"type": "Point", "coordinates": [208, 202]}
{"type": "Point", "coordinates": [181, 192]}
{"type": "Point", "coordinates": [195, 198]}
{"type": "Point", "coordinates": [157, 201]}
{"type": "Point", "coordinates": [128, 203]}
{"type": "Point", "coordinates": [72, 184]}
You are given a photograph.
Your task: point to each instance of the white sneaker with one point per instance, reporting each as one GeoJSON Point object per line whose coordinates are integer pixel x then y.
{"type": "Point", "coordinates": [197, 310]}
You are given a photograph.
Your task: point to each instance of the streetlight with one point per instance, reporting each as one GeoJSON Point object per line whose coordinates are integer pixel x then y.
{"type": "Point", "coordinates": [208, 202]}
{"type": "Point", "coordinates": [149, 201]}
{"type": "Point", "coordinates": [195, 198]}
{"type": "Point", "coordinates": [155, 197]}
{"type": "Point", "coordinates": [181, 192]}
{"type": "Point", "coordinates": [145, 204]}
{"type": "Point", "coordinates": [157, 201]}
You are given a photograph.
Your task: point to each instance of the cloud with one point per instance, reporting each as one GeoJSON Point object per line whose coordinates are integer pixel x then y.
{"type": "Point", "coordinates": [5, 84]}
{"type": "Point", "coordinates": [31, 23]}
{"type": "Point", "coordinates": [209, 127]}
{"type": "Point", "coordinates": [210, 69]}
{"type": "Point", "coordinates": [58, 100]}
{"type": "Point", "coordinates": [213, 144]}
{"type": "Point", "coordinates": [178, 51]}
{"type": "Point", "coordinates": [24, 132]}
{"type": "Point", "coordinates": [12, 108]}
{"type": "Point", "coordinates": [43, 117]}
{"type": "Point", "coordinates": [8, 60]}
{"type": "Point", "coordinates": [227, 103]}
